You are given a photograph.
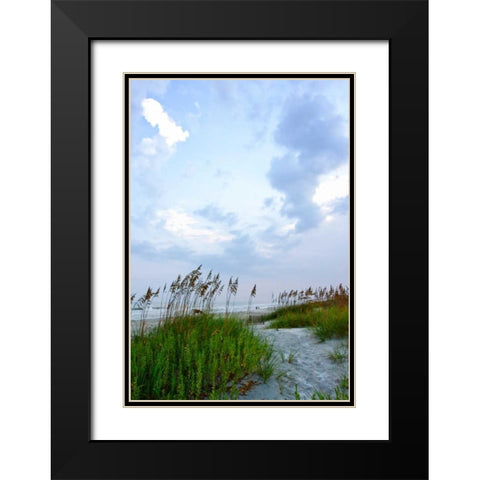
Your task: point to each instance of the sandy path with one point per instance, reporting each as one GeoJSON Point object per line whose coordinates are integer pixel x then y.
{"type": "Point", "coordinates": [302, 361]}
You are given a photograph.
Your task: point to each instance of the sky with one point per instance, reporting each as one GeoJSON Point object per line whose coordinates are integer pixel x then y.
{"type": "Point", "coordinates": [246, 177]}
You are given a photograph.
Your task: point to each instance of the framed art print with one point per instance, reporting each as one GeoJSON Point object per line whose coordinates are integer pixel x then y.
{"type": "Point", "coordinates": [239, 201]}
{"type": "Point", "coordinates": [231, 201]}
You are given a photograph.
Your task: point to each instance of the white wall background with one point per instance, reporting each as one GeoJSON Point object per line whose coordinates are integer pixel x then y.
{"type": "Point", "coordinates": [24, 242]}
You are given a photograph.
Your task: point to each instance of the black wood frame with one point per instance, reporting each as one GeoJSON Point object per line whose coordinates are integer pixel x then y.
{"type": "Point", "coordinates": [404, 24]}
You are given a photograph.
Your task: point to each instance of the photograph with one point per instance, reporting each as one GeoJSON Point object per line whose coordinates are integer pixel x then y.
{"type": "Point", "coordinates": [239, 212]}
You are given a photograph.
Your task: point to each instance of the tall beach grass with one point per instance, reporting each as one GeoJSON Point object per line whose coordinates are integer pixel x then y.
{"type": "Point", "coordinates": [192, 354]}
{"type": "Point", "coordinates": [323, 310]}
{"type": "Point", "coordinates": [200, 357]}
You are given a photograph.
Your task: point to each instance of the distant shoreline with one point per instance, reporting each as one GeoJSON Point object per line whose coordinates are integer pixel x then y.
{"type": "Point", "coordinates": [259, 311]}
{"type": "Point", "coordinates": [254, 314]}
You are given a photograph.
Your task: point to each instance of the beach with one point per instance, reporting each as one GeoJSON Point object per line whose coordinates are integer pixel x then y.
{"type": "Point", "coordinates": [303, 363]}
{"type": "Point", "coordinates": [153, 318]}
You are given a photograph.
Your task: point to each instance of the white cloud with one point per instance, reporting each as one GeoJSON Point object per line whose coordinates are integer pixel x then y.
{"type": "Point", "coordinates": [265, 249]}
{"type": "Point", "coordinates": [331, 187]}
{"type": "Point", "coordinates": [148, 146]}
{"type": "Point", "coordinates": [155, 146]}
{"type": "Point", "coordinates": [181, 224]}
{"type": "Point", "coordinates": [289, 227]}
{"type": "Point", "coordinates": [156, 116]}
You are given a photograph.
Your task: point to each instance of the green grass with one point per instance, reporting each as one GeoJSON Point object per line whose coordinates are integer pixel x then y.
{"type": "Point", "coordinates": [325, 321]}
{"type": "Point", "coordinates": [341, 392]}
{"type": "Point", "coordinates": [339, 354]}
{"type": "Point", "coordinates": [201, 357]}
{"type": "Point", "coordinates": [293, 311]}
{"type": "Point", "coordinates": [296, 394]}
{"type": "Point", "coordinates": [295, 316]}
{"type": "Point", "coordinates": [332, 323]}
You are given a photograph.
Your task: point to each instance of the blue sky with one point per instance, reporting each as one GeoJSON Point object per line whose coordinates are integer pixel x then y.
{"type": "Point", "coordinates": [247, 177]}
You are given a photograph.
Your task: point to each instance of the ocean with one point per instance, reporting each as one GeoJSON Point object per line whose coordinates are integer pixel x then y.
{"type": "Point", "coordinates": [156, 311]}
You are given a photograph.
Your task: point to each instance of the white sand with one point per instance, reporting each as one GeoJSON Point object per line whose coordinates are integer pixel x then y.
{"type": "Point", "coordinates": [310, 368]}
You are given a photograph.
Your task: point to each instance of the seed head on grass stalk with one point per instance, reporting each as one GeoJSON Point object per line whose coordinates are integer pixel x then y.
{"type": "Point", "coordinates": [231, 290]}
{"type": "Point", "coordinates": [253, 294]}
{"type": "Point", "coordinates": [144, 303]}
